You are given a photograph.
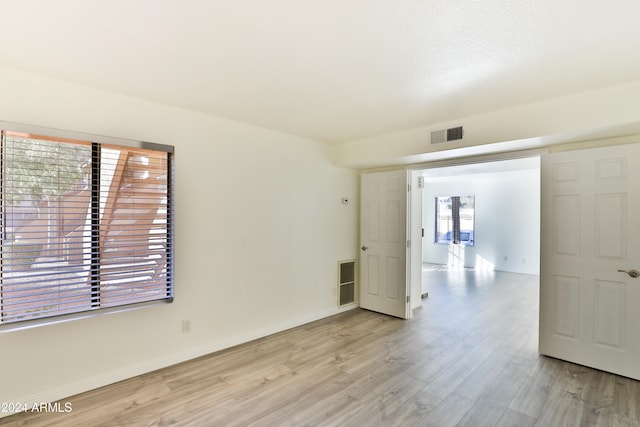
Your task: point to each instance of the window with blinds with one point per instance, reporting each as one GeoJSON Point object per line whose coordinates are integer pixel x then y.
{"type": "Point", "coordinates": [455, 220]}
{"type": "Point", "coordinates": [85, 226]}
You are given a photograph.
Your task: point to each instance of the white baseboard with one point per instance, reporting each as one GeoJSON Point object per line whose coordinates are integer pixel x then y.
{"type": "Point", "coordinates": [71, 389]}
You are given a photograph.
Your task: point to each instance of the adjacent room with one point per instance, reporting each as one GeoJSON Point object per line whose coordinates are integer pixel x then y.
{"type": "Point", "coordinates": [497, 221]}
{"type": "Point", "coordinates": [499, 217]}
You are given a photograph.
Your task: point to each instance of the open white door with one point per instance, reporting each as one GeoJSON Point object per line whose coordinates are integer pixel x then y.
{"type": "Point", "coordinates": [589, 309]}
{"type": "Point", "coordinates": [383, 243]}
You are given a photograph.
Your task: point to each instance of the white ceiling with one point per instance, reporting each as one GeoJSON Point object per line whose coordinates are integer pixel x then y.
{"type": "Point", "coordinates": [331, 70]}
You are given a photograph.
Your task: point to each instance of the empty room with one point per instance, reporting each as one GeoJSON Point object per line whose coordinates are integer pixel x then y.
{"type": "Point", "coordinates": [319, 213]}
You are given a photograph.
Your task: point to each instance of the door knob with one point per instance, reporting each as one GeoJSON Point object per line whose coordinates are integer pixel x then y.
{"type": "Point", "coordinates": [364, 248]}
{"type": "Point", "coordinates": [631, 273]}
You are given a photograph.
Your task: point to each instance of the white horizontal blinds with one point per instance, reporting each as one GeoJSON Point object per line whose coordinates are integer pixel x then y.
{"type": "Point", "coordinates": [45, 252]}
{"type": "Point", "coordinates": [134, 232]}
{"type": "Point", "coordinates": [84, 226]}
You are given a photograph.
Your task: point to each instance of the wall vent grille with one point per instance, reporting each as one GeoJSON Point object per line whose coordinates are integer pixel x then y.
{"type": "Point", "coordinates": [447, 135]}
{"type": "Point", "coordinates": [346, 282]}
{"type": "Point", "coordinates": [454, 134]}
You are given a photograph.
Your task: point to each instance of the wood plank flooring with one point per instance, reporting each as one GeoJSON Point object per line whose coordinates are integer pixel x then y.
{"type": "Point", "coordinates": [467, 358]}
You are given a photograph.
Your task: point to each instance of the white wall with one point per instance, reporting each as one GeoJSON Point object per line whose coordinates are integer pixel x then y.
{"type": "Point", "coordinates": [507, 220]}
{"type": "Point", "coordinates": [597, 114]}
{"type": "Point", "coordinates": [259, 230]}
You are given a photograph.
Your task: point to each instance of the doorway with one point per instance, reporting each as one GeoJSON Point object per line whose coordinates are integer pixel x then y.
{"type": "Point", "coordinates": [498, 218]}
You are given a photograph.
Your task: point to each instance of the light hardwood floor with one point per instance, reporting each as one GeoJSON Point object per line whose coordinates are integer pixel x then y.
{"type": "Point", "coordinates": [467, 358]}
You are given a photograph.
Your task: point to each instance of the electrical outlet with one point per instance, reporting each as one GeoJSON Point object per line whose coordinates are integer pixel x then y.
{"type": "Point", "coordinates": [186, 326]}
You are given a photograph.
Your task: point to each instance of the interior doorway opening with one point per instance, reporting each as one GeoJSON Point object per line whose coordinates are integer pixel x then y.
{"type": "Point", "coordinates": [504, 224]}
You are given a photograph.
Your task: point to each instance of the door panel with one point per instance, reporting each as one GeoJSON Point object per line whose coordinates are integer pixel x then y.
{"type": "Point", "coordinates": [610, 225]}
{"type": "Point", "coordinates": [383, 234]}
{"type": "Point", "coordinates": [372, 285]}
{"type": "Point", "coordinates": [567, 306]}
{"type": "Point", "coordinates": [566, 222]}
{"type": "Point", "coordinates": [393, 274]}
{"type": "Point", "coordinates": [609, 314]}
{"type": "Point", "coordinates": [588, 308]}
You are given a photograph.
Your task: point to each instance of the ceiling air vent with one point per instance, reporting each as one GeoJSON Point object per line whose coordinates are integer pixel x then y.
{"type": "Point", "coordinates": [447, 135]}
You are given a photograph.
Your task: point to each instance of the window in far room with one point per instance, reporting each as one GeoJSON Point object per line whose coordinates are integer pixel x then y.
{"type": "Point", "coordinates": [455, 219]}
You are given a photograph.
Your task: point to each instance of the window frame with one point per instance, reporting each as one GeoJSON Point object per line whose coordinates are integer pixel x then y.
{"type": "Point", "coordinates": [62, 135]}
{"type": "Point", "coordinates": [437, 230]}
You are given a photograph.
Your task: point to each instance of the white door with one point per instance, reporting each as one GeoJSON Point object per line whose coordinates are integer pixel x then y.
{"type": "Point", "coordinates": [589, 310]}
{"type": "Point", "coordinates": [383, 243]}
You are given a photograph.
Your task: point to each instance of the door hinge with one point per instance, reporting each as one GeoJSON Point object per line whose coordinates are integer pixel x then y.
{"type": "Point", "coordinates": [408, 188]}
{"type": "Point", "coordinates": [408, 299]}
{"type": "Point", "coordinates": [421, 181]}
{"type": "Point", "coordinates": [408, 243]}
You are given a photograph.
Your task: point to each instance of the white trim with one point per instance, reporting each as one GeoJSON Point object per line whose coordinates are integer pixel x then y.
{"type": "Point", "coordinates": [72, 389]}
{"type": "Point", "coordinates": [459, 161]}
{"type": "Point", "coordinates": [61, 133]}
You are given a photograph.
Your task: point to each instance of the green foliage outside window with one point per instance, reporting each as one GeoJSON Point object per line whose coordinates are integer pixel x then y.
{"type": "Point", "coordinates": [31, 174]}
